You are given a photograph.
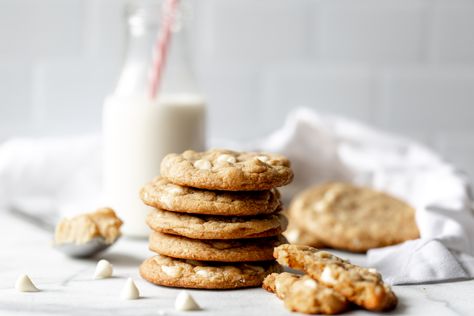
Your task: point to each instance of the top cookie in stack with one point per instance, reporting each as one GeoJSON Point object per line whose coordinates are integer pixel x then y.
{"type": "Point", "coordinates": [227, 170]}
{"type": "Point", "coordinates": [221, 208]}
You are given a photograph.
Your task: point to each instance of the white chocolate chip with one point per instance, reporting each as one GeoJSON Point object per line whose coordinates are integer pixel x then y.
{"type": "Point", "coordinates": [202, 164]}
{"type": "Point", "coordinates": [327, 200]}
{"type": "Point", "coordinates": [310, 283]}
{"type": "Point", "coordinates": [327, 277]}
{"type": "Point", "coordinates": [103, 270]}
{"type": "Point", "coordinates": [372, 270]}
{"type": "Point", "coordinates": [293, 235]}
{"type": "Point", "coordinates": [226, 158]}
{"type": "Point", "coordinates": [320, 206]}
{"type": "Point", "coordinates": [203, 273]}
{"type": "Point", "coordinates": [185, 302]}
{"type": "Point", "coordinates": [167, 200]}
{"type": "Point", "coordinates": [24, 284]}
{"type": "Point", "coordinates": [333, 193]}
{"type": "Point", "coordinates": [263, 158]}
{"type": "Point", "coordinates": [173, 189]}
{"type": "Point", "coordinates": [130, 291]}
{"type": "Point", "coordinates": [160, 214]}
{"type": "Point", "coordinates": [171, 271]}
{"type": "Point", "coordinates": [283, 258]}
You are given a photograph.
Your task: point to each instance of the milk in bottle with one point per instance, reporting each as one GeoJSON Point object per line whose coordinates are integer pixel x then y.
{"type": "Point", "coordinates": [137, 130]}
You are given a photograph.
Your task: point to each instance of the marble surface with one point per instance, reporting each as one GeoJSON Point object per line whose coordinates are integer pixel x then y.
{"type": "Point", "coordinates": [67, 286]}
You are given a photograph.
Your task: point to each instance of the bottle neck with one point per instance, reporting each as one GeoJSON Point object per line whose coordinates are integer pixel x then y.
{"type": "Point", "coordinates": [177, 76]}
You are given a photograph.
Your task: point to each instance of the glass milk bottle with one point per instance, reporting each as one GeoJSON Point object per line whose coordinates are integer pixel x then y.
{"type": "Point", "coordinates": [138, 131]}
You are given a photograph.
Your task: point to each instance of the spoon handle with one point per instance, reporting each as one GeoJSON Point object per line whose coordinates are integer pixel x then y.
{"type": "Point", "coordinates": [44, 221]}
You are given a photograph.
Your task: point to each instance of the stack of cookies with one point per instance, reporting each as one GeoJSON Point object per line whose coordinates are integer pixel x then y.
{"type": "Point", "coordinates": [216, 219]}
{"type": "Point", "coordinates": [348, 217]}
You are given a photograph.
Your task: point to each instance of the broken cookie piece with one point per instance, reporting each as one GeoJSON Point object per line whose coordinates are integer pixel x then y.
{"type": "Point", "coordinates": [304, 295]}
{"type": "Point", "coordinates": [81, 229]}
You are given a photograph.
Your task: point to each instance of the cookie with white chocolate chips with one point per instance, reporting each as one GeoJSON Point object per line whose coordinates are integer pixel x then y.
{"type": "Point", "coordinates": [220, 169]}
{"type": "Point", "coordinates": [233, 250]}
{"type": "Point", "coordinates": [304, 295]}
{"type": "Point", "coordinates": [359, 285]}
{"type": "Point", "coordinates": [349, 217]}
{"type": "Point", "coordinates": [216, 227]}
{"type": "Point", "coordinates": [166, 271]}
{"type": "Point", "coordinates": [161, 193]}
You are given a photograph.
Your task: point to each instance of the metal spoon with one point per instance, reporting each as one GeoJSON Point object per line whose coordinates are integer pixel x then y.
{"type": "Point", "coordinates": [86, 250]}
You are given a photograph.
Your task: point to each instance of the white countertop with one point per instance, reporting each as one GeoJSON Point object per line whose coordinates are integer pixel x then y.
{"type": "Point", "coordinates": [67, 285]}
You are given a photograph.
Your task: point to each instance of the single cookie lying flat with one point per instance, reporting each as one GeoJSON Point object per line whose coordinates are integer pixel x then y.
{"type": "Point", "coordinates": [168, 271]}
{"type": "Point", "coordinates": [161, 193]}
{"type": "Point", "coordinates": [239, 250]}
{"type": "Point", "coordinates": [304, 295]}
{"type": "Point", "coordinates": [216, 227]}
{"type": "Point", "coordinates": [353, 218]}
{"type": "Point", "coordinates": [220, 169]}
{"type": "Point", "coordinates": [362, 286]}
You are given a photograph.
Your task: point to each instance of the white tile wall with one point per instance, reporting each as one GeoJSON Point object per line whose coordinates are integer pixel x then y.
{"type": "Point", "coordinates": [15, 96]}
{"type": "Point", "coordinates": [341, 89]}
{"type": "Point", "coordinates": [32, 30]}
{"type": "Point", "coordinates": [233, 106]}
{"type": "Point", "coordinates": [371, 30]}
{"type": "Point", "coordinates": [257, 31]}
{"type": "Point", "coordinates": [404, 65]}
{"type": "Point", "coordinates": [453, 27]}
{"type": "Point", "coordinates": [102, 31]}
{"type": "Point", "coordinates": [425, 98]}
{"type": "Point", "coordinates": [68, 95]}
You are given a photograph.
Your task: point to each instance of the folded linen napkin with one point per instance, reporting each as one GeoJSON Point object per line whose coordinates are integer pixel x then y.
{"type": "Point", "coordinates": [48, 177]}
{"type": "Point", "coordinates": [64, 175]}
{"type": "Point", "coordinates": [325, 148]}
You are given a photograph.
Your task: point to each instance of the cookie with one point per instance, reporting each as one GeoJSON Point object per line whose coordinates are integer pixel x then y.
{"type": "Point", "coordinates": [162, 270]}
{"type": "Point", "coordinates": [161, 193]}
{"type": "Point", "coordinates": [83, 228]}
{"type": "Point", "coordinates": [304, 295]}
{"type": "Point", "coordinates": [348, 217]}
{"type": "Point", "coordinates": [299, 236]}
{"type": "Point", "coordinates": [216, 227]}
{"type": "Point", "coordinates": [361, 286]}
{"type": "Point", "coordinates": [239, 250]}
{"type": "Point", "coordinates": [227, 170]}
{"type": "Point", "coordinates": [280, 283]}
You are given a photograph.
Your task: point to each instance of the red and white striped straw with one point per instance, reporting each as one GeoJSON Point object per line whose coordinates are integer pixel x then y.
{"type": "Point", "coordinates": [161, 47]}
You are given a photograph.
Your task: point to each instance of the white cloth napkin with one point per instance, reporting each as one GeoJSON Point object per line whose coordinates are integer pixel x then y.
{"type": "Point", "coordinates": [64, 175]}
{"type": "Point", "coordinates": [53, 176]}
{"type": "Point", "coordinates": [325, 148]}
